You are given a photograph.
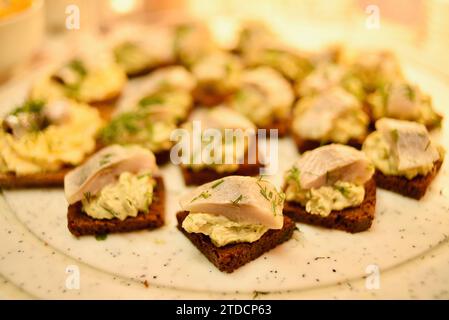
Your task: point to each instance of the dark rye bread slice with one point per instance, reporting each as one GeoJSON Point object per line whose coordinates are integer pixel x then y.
{"type": "Point", "coordinates": [81, 224]}
{"type": "Point", "coordinates": [209, 96]}
{"type": "Point", "coordinates": [162, 157]}
{"type": "Point", "coordinates": [145, 71]}
{"type": "Point", "coordinates": [352, 220]}
{"type": "Point", "coordinates": [414, 188]}
{"type": "Point", "coordinates": [282, 125]}
{"type": "Point", "coordinates": [36, 180]}
{"type": "Point", "coordinates": [232, 256]}
{"type": "Point", "coordinates": [205, 175]}
{"type": "Point", "coordinates": [306, 144]}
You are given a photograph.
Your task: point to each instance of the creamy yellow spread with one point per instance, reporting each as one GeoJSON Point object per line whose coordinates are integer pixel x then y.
{"type": "Point", "coordinates": [98, 84]}
{"type": "Point", "coordinates": [221, 230]}
{"type": "Point", "coordinates": [351, 125]}
{"type": "Point", "coordinates": [325, 199]}
{"type": "Point", "coordinates": [131, 194]}
{"type": "Point", "coordinates": [167, 103]}
{"type": "Point", "coordinates": [378, 150]}
{"type": "Point", "coordinates": [55, 146]}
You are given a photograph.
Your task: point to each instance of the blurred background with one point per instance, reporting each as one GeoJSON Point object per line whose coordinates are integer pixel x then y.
{"type": "Point", "coordinates": [418, 28]}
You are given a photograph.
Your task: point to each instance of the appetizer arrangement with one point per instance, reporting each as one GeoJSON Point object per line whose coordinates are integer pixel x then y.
{"type": "Point", "coordinates": [118, 189]}
{"type": "Point", "coordinates": [332, 187]}
{"type": "Point", "coordinates": [234, 220]}
{"type": "Point", "coordinates": [405, 157]}
{"type": "Point", "coordinates": [403, 101]}
{"type": "Point", "coordinates": [40, 141]}
{"type": "Point", "coordinates": [356, 121]}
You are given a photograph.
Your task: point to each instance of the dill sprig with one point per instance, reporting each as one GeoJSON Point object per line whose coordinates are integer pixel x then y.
{"type": "Point", "coordinates": [204, 195]}
{"type": "Point", "coordinates": [216, 184]}
{"type": "Point", "coordinates": [237, 200]}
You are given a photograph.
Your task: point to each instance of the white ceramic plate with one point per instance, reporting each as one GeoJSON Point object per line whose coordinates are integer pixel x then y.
{"type": "Point", "coordinates": [407, 244]}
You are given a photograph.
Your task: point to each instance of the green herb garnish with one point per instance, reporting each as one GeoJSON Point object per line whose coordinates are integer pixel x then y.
{"type": "Point", "coordinates": [144, 175]}
{"type": "Point", "coordinates": [78, 66]}
{"type": "Point", "coordinates": [216, 184]}
{"type": "Point", "coordinates": [410, 92]}
{"type": "Point", "coordinates": [344, 191]}
{"type": "Point", "coordinates": [29, 106]}
{"type": "Point", "coordinates": [294, 173]}
{"type": "Point", "coordinates": [127, 123]}
{"type": "Point", "coordinates": [87, 196]}
{"type": "Point", "coordinates": [263, 191]}
{"type": "Point", "coordinates": [237, 200]}
{"type": "Point", "coordinates": [273, 207]}
{"type": "Point", "coordinates": [150, 100]}
{"type": "Point", "coordinates": [204, 195]}
{"type": "Point", "coordinates": [101, 237]}
{"type": "Point", "coordinates": [395, 135]}
{"type": "Point", "coordinates": [105, 159]}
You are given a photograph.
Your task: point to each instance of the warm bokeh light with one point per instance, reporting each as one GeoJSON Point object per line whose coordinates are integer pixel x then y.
{"type": "Point", "coordinates": [123, 6]}
{"type": "Point", "coordinates": [9, 7]}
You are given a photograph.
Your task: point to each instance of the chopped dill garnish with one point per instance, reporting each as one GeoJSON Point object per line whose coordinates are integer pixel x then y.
{"type": "Point", "coordinates": [273, 207]}
{"type": "Point", "coordinates": [216, 184]}
{"type": "Point", "coordinates": [395, 135]}
{"type": "Point", "coordinates": [144, 175]}
{"type": "Point", "coordinates": [263, 191]}
{"type": "Point", "coordinates": [204, 195]}
{"type": "Point", "coordinates": [105, 159]}
{"type": "Point", "coordinates": [237, 200]}
{"type": "Point", "coordinates": [101, 237]}
{"type": "Point", "coordinates": [88, 196]}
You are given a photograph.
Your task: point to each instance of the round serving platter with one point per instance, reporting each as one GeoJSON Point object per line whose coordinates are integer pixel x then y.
{"type": "Point", "coordinates": [404, 254]}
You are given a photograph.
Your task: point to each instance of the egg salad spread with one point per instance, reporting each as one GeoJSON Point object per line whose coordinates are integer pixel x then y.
{"type": "Point", "coordinates": [131, 194]}
{"type": "Point", "coordinates": [221, 230]}
{"type": "Point", "coordinates": [325, 199]}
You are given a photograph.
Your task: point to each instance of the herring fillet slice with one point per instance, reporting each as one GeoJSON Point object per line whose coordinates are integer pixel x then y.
{"type": "Point", "coordinates": [104, 167]}
{"type": "Point", "coordinates": [333, 162]}
{"type": "Point", "coordinates": [241, 199]}
{"type": "Point", "coordinates": [410, 142]}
